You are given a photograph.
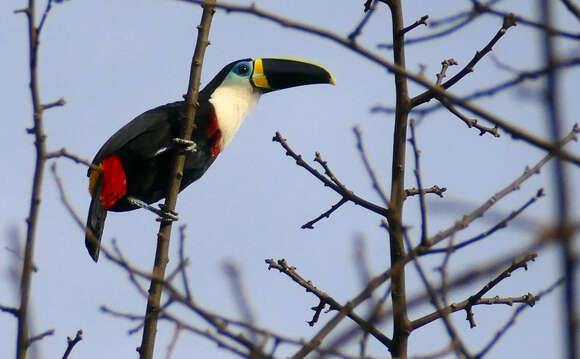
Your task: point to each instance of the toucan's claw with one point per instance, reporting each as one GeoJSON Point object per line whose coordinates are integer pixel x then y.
{"type": "Point", "coordinates": [186, 145]}
{"type": "Point", "coordinates": [166, 215]}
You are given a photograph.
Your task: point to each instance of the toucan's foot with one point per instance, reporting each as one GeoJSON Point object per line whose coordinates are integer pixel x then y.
{"type": "Point", "coordinates": [186, 145]}
{"type": "Point", "coordinates": [164, 214]}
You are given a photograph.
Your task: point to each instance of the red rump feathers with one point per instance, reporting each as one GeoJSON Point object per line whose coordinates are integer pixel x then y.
{"type": "Point", "coordinates": [113, 181]}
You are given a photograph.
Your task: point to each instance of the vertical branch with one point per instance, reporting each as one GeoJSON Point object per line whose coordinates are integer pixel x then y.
{"type": "Point", "coordinates": [39, 143]}
{"type": "Point", "coordinates": [397, 245]}
{"type": "Point", "coordinates": [563, 233]}
{"type": "Point", "coordinates": [164, 235]}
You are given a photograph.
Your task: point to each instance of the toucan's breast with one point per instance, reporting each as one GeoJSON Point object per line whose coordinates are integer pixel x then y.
{"type": "Point", "coordinates": [232, 102]}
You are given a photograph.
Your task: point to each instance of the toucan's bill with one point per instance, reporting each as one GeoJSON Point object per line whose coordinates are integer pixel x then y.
{"type": "Point", "coordinates": [276, 73]}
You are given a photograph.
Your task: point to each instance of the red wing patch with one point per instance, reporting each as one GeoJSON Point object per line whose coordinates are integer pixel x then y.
{"type": "Point", "coordinates": [113, 181]}
{"type": "Point", "coordinates": [213, 133]}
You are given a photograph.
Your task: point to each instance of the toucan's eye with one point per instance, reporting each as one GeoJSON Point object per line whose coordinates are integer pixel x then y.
{"type": "Point", "coordinates": [243, 69]}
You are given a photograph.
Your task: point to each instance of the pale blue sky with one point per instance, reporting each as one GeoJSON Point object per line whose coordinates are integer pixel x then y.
{"type": "Point", "coordinates": [113, 60]}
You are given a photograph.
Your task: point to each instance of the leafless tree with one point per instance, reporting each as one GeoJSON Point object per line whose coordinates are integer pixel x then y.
{"type": "Point", "coordinates": [408, 249]}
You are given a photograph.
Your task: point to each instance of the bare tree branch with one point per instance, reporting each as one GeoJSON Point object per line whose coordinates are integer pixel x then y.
{"type": "Point", "coordinates": [508, 21]}
{"type": "Point", "coordinates": [500, 225]}
{"type": "Point", "coordinates": [433, 189]}
{"type": "Point", "coordinates": [161, 253]}
{"type": "Point", "coordinates": [513, 318]}
{"type": "Point", "coordinates": [564, 235]}
{"type": "Point", "coordinates": [37, 131]}
{"type": "Point", "coordinates": [572, 8]}
{"type": "Point", "coordinates": [71, 343]}
{"type": "Point", "coordinates": [340, 189]}
{"type": "Point", "coordinates": [282, 266]}
{"type": "Point", "coordinates": [10, 310]}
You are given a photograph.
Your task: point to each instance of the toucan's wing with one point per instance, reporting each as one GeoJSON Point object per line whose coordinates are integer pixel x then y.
{"type": "Point", "coordinates": [150, 131]}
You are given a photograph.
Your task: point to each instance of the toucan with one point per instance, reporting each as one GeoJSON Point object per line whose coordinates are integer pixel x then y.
{"type": "Point", "coordinates": [131, 170]}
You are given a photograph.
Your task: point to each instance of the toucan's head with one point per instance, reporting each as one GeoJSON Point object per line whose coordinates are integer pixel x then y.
{"type": "Point", "coordinates": [270, 74]}
{"type": "Point", "coordinates": [235, 90]}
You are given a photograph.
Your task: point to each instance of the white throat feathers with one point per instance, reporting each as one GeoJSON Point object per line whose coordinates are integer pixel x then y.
{"type": "Point", "coordinates": [233, 100]}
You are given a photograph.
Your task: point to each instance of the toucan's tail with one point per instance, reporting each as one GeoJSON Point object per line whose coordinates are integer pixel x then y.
{"type": "Point", "coordinates": [95, 222]}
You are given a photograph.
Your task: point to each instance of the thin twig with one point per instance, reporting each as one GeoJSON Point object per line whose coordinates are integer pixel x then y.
{"type": "Point", "coordinates": [40, 336]}
{"type": "Point", "coordinates": [444, 66]}
{"type": "Point", "coordinates": [58, 103]}
{"type": "Point", "coordinates": [421, 21]}
{"type": "Point", "coordinates": [44, 15]}
{"type": "Point", "coordinates": [71, 156]}
{"type": "Point", "coordinates": [417, 172]}
{"type": "Point", "coordinates": [369, 11]}
{"type": "Point", "coordinates": [310, 224]}
{"type": "Point", "coordinates": [365, 159]}
{"type": "Point", "coordinates": [544, 27]}
{"type": "Point", "coordinates": [11, 310]}
{"type": "Point", "coordinates": [71, 343]}
{"type": "Point", "coordinates": [471, 122]}
{"type": "Point", "coordinates": [182, 259]}
{"type": "Point", "coordinates": [433, 36]}
{"type": "Point", "coordinates": [174, 338]}
{"type": "Point", "coordinates": [240, 296]}
{"type": "Point", "coordinates": [433, 189]}
{"type": "Point", "coordinates": [572, 8]}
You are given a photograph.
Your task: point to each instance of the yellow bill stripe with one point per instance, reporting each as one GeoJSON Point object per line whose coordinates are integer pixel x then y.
{"type": "Point", "coordinates": [259, 78]}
